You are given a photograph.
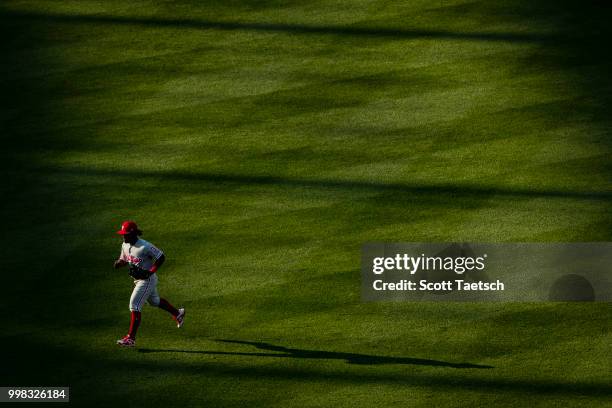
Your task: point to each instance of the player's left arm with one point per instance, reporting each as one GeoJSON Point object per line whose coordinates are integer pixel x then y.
{"type": "Point", "coordinates": [157, 256]}
{"type": "Point", "coordinates": [158, 263]}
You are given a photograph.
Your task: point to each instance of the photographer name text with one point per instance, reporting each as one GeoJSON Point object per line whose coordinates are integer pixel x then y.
{"type": "Point", "coordinates": [448, 285]}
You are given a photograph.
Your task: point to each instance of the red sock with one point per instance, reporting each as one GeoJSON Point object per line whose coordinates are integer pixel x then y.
{"type": "Point", "coordinates": [164, 304]}
{"type": "Point", "coordinates": [134, 323]}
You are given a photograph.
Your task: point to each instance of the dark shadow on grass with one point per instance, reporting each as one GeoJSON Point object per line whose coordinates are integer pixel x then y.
{"type": "Point", "coordinates": [442, 381]}
{"type": "Point", "coordinates": [404, 189]}
{"type": "Point", "coordinates": [398, 33]}
{"type": "Point", "coordinates": [350, 358]}
{"type": "Point", "coordinates": [43, 361]}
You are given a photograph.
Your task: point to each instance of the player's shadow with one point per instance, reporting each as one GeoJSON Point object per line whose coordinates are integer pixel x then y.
{"type": "Point", "coordinates": [351, 358]}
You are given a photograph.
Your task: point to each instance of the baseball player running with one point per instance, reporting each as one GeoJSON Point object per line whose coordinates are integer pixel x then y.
{"type": "Point", "coordinates": [143, 260]}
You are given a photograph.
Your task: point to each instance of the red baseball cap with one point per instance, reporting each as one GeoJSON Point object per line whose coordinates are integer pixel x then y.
{"type": "Point", "coordinates": [128, 227]}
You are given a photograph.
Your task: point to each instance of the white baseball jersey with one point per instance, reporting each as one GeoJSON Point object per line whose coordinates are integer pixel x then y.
{"type": "Point", "coordinates": [142, 254]}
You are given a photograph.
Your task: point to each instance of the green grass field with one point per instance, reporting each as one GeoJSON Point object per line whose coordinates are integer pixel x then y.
{"type": "Point", "coordinates": [260, 144]}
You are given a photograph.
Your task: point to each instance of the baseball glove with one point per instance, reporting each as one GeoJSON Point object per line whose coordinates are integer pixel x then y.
{"type": "Point", "coordinates": [137, 272]}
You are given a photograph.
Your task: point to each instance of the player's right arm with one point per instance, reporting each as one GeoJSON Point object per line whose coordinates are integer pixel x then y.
{"type": "Point", "coordinates": [121, 261]}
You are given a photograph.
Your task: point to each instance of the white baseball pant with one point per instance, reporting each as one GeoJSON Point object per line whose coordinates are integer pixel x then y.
{"type": "Point", "coordinates": [144, 290]}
